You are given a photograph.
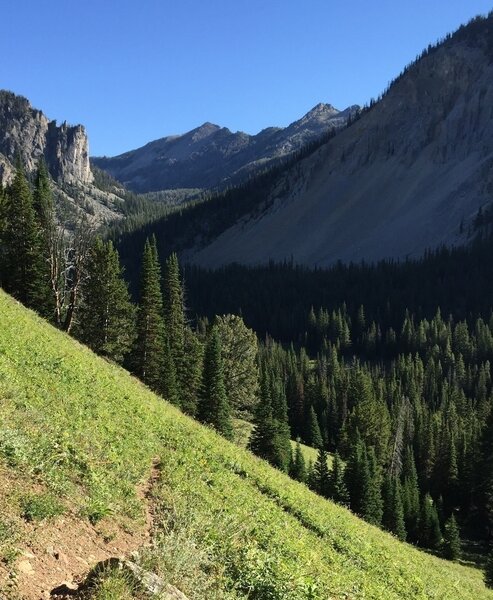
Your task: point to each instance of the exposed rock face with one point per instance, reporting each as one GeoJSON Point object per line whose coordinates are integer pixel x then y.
{"type": "Point", "coordinates": [28, 133]}
{"type": "Point", "coordinates": [211, 156]}
{"type": "Point", "coordinates": [399, 180]}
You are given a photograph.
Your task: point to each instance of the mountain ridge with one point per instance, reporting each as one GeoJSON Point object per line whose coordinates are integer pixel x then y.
{"type": "Point", "coordinates": [210, 155]}
{"type": "Point", "coordinates": [409, 175]}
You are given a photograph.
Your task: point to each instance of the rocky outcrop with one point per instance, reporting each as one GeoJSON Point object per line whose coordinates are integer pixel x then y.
{"type": "Point", "coordinates": [27, 133]}
{"type": "Point", "coordinates": [148, 584]}
{"type": "Point", "coordinates": [212, 156]}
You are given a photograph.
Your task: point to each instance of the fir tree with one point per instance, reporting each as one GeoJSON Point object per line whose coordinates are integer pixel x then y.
{"type": "Point", "coordinates": [429, 525]}
{"type": "Point", "coordinates": [268, 439]}
{"type": "Point", "coordinates": [297, 468]}
{"type": "Point", "coordinates": [214, 407]}
{"type": "Point", "coordinates": [338, 489]}
{"type": "Point", "coordinates": [45, 215]}
{"type": "Point", "coordinates": [24, 268]}
{"type": "Point", "coordinates": [321, 474]}
{"type": "Point", "coordinates": [3, 228]}
{"type": "Point", "coordinates": [410, 496]}
{"type": "Point", "coordinates": [371, 502]}
{"type": "Point", "coordinates": [107, 317]}
{"type": "Point", "coordinates": [174, 317]}
{"type": "Point", "coordinates": [192, 372]}
{"type": "Point", "coordinates": [451, 539]}
{"type": "Point", "coordinates": [393, 512]}
{"type": "Point", "coordinates": [169, 383]}
{"type": "Point", "coordinates": [149, 352]}
{"type": "Point", "coordinates": [314, 436]}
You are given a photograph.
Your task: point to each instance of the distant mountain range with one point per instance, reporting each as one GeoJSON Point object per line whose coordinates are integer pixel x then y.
{"type": "Point", "coordinates": [212, 156]}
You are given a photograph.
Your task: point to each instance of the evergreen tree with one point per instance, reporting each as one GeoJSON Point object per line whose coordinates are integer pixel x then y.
{"type": "Point", "coordinates": [451, 539]}
{"type": "Point", "coordinates": [410, 496]}
{"type": "Point", "coordinates": [192, 372]}
{"type": "Point", "coordinates": [150, 347]}
{"type": "Point", "coordinates": [313, 437]}
{"type": "Point", "coordinates": [338, 489]}
{"type": "Point", "coordinates": [106, 315]}
{"type": "Point", "coordinates": [24, 268]}
{"type": "Point", "coordinates": [3, 228]}
{"type": "Point", "coordinates": [393, 512]}
{"type": "Point", "coordinates": [297, 468]}
{"type": "Point", "coordinates": [213, 406]}
{"type": "Point", "coordinates": [321, 474]}
{"type": "Point", "coordinates": [45, 216]}
{"type": "Point", "coordinates": [372, 503]}
{"type": "Point", "coordinates": [355, 473]}
{"type": "Point", "coordinates": [429, 525]}
{"type": "Point", "coordinates": [169, 383]}
{"type": "Point", "coordinates": [174, 317]}
{"type": "Point", "coordinates": [239, 349]}
{"type": "Point", "coordinates": [268, 439]}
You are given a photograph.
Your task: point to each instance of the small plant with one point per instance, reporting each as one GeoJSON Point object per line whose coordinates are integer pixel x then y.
{"type": "Point", "coordinates": [37, 507]}
{"type": "Point", "coordinates": [112, 585]}
{"type": "Point", "coordinates": [96, 510]}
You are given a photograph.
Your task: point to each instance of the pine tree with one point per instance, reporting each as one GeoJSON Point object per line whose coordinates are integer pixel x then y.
{"type": "Point", "coordinates": [149, 351]}
{"type": "Point", "coordinates": [214, 407]}
{"type": "Point", "coordinates": [429, 525]}
{"type": "Point", "coordinates": [3, 228]}
{"type": "Point", "coordinates": [268, 439]}
{"type": "Point", "coordinates": [169, 383]}
{"type": "Point", "coordinates": [338, 489]}
{"type": "Point", "coordinates": [280, 415]}
{"type": "Point", "coordinates": [410, 496]}
{"type": "Point", "coordinates": [314, 436]}
{"type": "Point", "coordinates": [45, 216]}
{"type": "Point", "coordinates": [451, 539]}
{"type": "Point", "coordinates": [393, 512]}
{"type": "Point", "coordinates": [297, 468]}
{"type": "Point", "coordinates": [174, 317]}
{"type": "Point", "coordinates": [192, 372]}
{"type": "Point", "coordinates": [321, 474]}
{"type": "Point", "coordinates": [106, 315]}
{"type": "Point", "coordinates": [353, 474]}
{"type": "Point", "coordinates": [372, 503]}
{"type": "Point", "coordinates": [24, 267]}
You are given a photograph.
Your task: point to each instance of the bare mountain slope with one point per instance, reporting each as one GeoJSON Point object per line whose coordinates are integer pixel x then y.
{"type": "Point", "coordinates": [399, 180]}
{"type": "Point", "coordinates": [210, 155]}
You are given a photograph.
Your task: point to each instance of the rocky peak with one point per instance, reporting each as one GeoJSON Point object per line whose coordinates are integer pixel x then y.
{"type": "Point", "coordinates": [26, 132]}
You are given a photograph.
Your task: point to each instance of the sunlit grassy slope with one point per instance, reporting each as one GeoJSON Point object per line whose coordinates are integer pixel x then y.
{"type": "Point", "coordinates": [227, 525]}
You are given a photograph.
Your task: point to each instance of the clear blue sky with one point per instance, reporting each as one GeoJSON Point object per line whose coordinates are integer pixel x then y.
{"type": "Point", "coordinates": [132, 71]}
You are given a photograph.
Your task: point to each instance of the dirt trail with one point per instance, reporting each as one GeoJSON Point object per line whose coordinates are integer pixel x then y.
{"type": "Point", "coordinates": [64, 549]}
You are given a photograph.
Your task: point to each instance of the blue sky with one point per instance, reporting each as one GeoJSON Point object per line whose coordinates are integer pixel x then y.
{"type": "Point", "coordinates": [135, 71]}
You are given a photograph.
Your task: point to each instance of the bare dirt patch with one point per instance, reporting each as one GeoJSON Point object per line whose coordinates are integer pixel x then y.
{"type": "Point", "coordinates": [64, 549]}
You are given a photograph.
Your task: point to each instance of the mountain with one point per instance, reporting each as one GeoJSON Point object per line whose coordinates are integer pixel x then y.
{"type": "Point", "coordinates": [211, 156]}
{"type": "Point", "coordinates": [27, 133]}
{"type": "Point", "coordinates": [94, 467]}
{"type": "Point", "coordinates": [410, 174]}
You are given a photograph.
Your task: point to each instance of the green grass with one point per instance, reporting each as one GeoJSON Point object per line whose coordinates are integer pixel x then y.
{"type": "Point", "coordinates": [228, 525]}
